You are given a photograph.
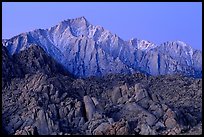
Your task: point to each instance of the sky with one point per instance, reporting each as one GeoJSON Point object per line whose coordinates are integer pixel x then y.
{"type": "Point", "coordinates": [156, 22]}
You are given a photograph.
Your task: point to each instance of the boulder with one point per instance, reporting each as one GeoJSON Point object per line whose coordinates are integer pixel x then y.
{"type": "Point", "coordinates": [102, 129]}
{"type": "Point", "coordinates": [147, 116]}
{"type": "Point", "coordinates": [170, 122]}
{"type": "Point", "coordinates": [116, 94]}
{"type": "Point", "coordinates": [141, 94]}
{"type": "Point", "coordinates": [156, 109]}
{"type": "Point", "coordinates": [124, 89]}
{"type": "Point", "coordinates": [78, 109]}
{"type": "Point", "coordinates": [89, 107]}
{"type": "Point", "coordinates": [116, 128]}
{"type": "Point", "coordinates": [98, 106]}
{"type": "Point", "coordinates": [146, 130]}
{"type": "Point", "coordinates": [41, 123]}
{"type": "Point", "coordinates": [138, 87]}
{"type": "Point", "coordinates": [123, 99]}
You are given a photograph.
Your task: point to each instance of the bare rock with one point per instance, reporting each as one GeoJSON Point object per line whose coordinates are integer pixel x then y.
{"type": "Point", "coordinates": [89, 107]}
{"type": "Point", "coordinates": [41, 123]}
{"type": "Point", "coordinates": [146, 130]}
{"type": "Point", "coordinates": [102, 129]}
{"type": "Point", "coordinates": [170, 123]}
{"type": "Point", "coordinates": [116, 94]}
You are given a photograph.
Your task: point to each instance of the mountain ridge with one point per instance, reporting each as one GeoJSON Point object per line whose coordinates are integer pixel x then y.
{"type": "Point", "coordinates": [79, 45]}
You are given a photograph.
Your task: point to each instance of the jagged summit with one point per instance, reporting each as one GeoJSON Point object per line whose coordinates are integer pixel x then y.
{"type": "Point", "coordinates": [81, 19]}
{"type": "Point", "coordinates": [86, 50]}
{"type": "Point", "coordinates": [69, 21]}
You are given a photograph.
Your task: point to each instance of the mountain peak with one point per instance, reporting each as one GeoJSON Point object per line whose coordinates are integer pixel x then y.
{"type": "Point", "coordinates": [80, 20]}
{"type": "Point", "coordinates": [145, 45]}
{"type": "Point", "coordinates": [178, 45]}
{"type": "Point", "coordinates": [76, 26]}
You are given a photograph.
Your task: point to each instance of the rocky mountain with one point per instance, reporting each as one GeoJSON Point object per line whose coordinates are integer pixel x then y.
{"type": "Point", "coordinates": [29, 61]}
{"type": "Point", "coordinates": [87, 50]}
{"type": "Point", "coordinates": [40, 98]}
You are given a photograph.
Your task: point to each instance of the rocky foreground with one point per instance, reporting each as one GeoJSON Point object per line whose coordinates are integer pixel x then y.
{"type": "Point", "coordinates": [39, 98]}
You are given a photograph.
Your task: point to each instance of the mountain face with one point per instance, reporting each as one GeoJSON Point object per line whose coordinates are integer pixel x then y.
{"type": "Point", "coordinates": [87, 50]}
